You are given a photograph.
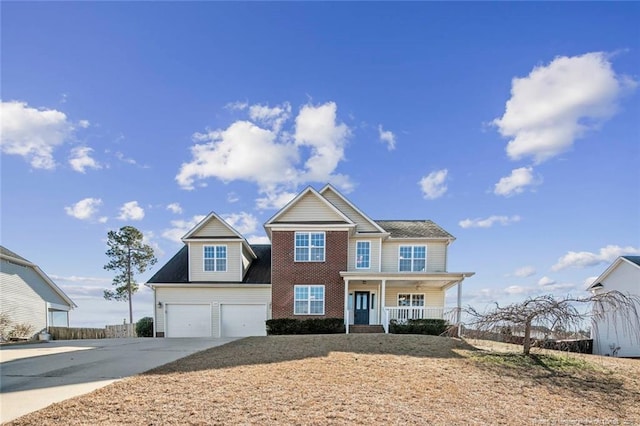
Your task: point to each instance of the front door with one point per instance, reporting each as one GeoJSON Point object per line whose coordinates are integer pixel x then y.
{"type": "Point", "coordinates": [361, 313]}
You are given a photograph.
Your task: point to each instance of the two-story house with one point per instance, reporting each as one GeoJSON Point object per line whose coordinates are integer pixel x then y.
{"type": "Point", "coordinates": [327, 259]}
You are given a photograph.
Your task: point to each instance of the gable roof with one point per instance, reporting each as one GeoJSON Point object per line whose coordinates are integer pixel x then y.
{"type": "Point", "coordinates": [10, 256]}
{"type": "Point", "coordinates": [631, 260]}
{"type": "Point", "coordinates": [414, 229]}
{"type": "Point", "coordinates": [176, 270]}
{"type": "Point", "coordinates": [350, 205]}
{"type": "Point", "coordinates": [191, 235]}
{"type": "Point", "coordinates": [339, 217]}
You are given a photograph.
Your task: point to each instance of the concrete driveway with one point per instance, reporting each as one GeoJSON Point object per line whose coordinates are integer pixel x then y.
{"type": "Point", "coordinates": [36, 375]}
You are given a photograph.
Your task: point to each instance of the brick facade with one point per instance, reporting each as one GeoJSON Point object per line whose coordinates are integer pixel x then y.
{"type": "Point", "coordinates": [286, 273]}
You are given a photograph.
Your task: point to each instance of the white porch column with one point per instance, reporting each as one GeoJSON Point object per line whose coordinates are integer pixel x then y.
{"type": "Point", "coordinates": [346, 305]}
{"type": "Point", "coordinates": [459, 311]}
{"type": "Point", "coordinates": [383, 297]}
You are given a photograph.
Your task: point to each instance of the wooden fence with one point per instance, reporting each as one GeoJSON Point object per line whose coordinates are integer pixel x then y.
{"type": "Point", "coordinates": [110, 331]}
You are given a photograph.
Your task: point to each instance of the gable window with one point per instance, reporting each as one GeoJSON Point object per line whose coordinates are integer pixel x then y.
{"type": "Point", "coordinates": [309, 247]}
{"type": "Point", "coordinates": [309, 300]}
{"type": "Point", "coordinates": [215, 258]}
{"type": "Point", "coordinates": [409, 299]}
{"type": "Point", "coordinates": [363, 254]}
{"type": "Point", "coordinates": [412, 259]}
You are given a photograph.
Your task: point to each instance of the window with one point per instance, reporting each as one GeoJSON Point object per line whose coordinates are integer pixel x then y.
{"type": "Point", "coordinates": [410, 299]}
{"type": "Point", "coordinates": [309, 300]}
{"type": "Point", "coordinates": [215, 258]}
{"type": "Point", "coordinates": [412, 259]}
{"type": "Point", "coordinates": [309, 247]}
{"type": "Point", "coordinates": [363, 254]}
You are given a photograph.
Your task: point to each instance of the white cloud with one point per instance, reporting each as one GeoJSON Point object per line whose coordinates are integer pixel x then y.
{"type": "Point", "coordinates": [525, 271]}
{"type": "Point", "coordinates": [516, 182]}
{"type": "Point", "coordinates": [433, 185]}
{"type": "Point", "coordinates": [85, 209]}
{"type": "Point", "coordinates": [244, 223]}
{"type": "Point", "coordinates": [131, 211]}
{"type": "Point", "coordinates": [489, 221]}
{"type": "Point", "coordinates": [84, 124]}
{"type": "Point", "coordinates": [546, 281]}
{"type": "Point", "coordinates": [516, 289]}
{"type": "Point", "coordinates": [274, 199]}
{"type": "Point", "coordinates": [81, 159]}
{"type": "Point", "coordinates": [270, 117]}
{"type": "Point", "coordinates": [317, 128]}
{"type": "Point", "coordinates": [33, 133]}
{"type": "Point", "coordinates": [232, 197]}
{"type": "Point", "coordinates": [237, 106]}
{"type": "Point", "coordinates": [270, 157]}
{"type": "Point", "coordinates": [179, 228]}
{"type": "Point", "coordinates": [175, 208]}
{"type": "Point", "coordinates": [583, 259]}
{"type": "Point", "coordinates": [258, 239]}
{"type": "Point", "coordinates": [387, 137]}
{"type": "Point", "coordinates": [557, 103]}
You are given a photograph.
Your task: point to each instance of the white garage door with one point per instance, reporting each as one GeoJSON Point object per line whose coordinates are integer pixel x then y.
{"type": "Point", "coordinates": [188, 320]}
{"type": "Point", "coordinates": [243, 320]}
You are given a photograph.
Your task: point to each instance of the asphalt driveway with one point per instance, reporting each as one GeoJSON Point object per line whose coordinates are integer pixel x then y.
{"type": "Point", "coordinates": [36, 375]}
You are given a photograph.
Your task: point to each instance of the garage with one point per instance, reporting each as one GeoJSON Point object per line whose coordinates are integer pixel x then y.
{"type": "Point", "coordinates": [238, 320]}
{"type": "Point", "coordinates": [186, 320]}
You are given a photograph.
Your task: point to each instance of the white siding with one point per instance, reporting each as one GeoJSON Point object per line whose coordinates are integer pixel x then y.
{"type": "Point", "coordinates": [214, 296]}
{"type": "Point", "coordinates": [436, 255]}
{"type": "Point", "coordinates": [24, 295]}
{"type": "Point", "coordinates": [363, 224]}
{"type": "Point", "coordinates": [310, 208]}
{"type": "Point", "coordinates": [374, 257]}
{"type": "Point", "coordinates": [612, 331]}
{"type": "Point", "coordinates": [234, 262]}
{"type": "Point", "coordinates": [214, 228]}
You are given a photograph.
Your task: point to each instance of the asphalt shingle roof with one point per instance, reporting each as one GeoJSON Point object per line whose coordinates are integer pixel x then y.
{"type": "Point", "coordinates": [8, 252]}
{"type": "Point", "coordinates": [176, 269]}
{"type": "Point", "coordinates": [634, 259]}
{"type": "Point", "coordinates": [413, 229]}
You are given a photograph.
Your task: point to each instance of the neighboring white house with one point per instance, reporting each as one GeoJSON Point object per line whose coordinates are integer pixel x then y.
{"type": "Point", "coordinates": [28, 296]}
{"type": "Point", "coordinates": [611, 336]}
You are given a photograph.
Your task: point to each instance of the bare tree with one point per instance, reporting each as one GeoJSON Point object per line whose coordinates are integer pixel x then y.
{"type": "Point", "coordinates": [552, 312]}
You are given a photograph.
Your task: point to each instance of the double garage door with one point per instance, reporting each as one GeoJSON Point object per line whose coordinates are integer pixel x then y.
{"type": "Point", "coordinates": [196, 320]}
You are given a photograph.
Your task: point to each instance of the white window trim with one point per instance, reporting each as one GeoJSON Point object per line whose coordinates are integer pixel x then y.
{"type": "Point", "coordinates": [324, 299]}
{"type": "Point", "coordinates": [215, 265]}
{"type": "Point", "coordinates": [356, 259]}
{"type": "Point", "coordinates": [412, 256]}
{"type": "Point", "coordinates": [410, 305]}
{"type": "Point", "coordinates": [324, 248]}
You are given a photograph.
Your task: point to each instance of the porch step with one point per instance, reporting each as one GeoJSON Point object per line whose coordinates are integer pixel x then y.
{"type": "Point", "coordinates": [366, 329]}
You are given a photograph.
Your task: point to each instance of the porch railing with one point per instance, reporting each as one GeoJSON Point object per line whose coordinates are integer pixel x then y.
{"type": "Point", "coordinates": [403, 313]}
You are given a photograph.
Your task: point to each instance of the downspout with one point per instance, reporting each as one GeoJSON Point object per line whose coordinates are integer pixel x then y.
{"type": "Point", "coordinates": [459, 310]}
{"type": "Point", "coordinates": [346, 305]}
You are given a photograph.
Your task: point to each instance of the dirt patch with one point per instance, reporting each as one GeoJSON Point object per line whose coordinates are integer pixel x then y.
{"type": "Point", "coordinates": [338, 379]}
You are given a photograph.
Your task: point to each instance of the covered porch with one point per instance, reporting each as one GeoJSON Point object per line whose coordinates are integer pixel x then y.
{"type": "Point", "coordinates": [379, 298]}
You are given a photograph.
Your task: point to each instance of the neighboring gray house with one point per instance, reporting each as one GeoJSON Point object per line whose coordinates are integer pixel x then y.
{"type": "Point", "coordinates": [29, 296]}
{"type": "Point", "coordinates": [610, 335]}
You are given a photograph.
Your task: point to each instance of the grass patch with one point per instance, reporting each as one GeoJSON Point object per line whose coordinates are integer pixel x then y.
{"type": "Point", "coordinates": [549, 362]}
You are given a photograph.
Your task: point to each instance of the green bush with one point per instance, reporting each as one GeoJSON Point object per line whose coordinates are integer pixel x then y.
{"type": "Point", "coordinates": [433, 327]}
{"type": "Point", "coordinates": [144, 327]}
{"type": "Point", "coordinates": [306, 326]}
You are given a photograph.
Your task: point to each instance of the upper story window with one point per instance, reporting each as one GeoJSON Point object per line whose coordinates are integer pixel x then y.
{"type": "Point", "coordinates": [309, 300]}
{"type": "Point", "coordinates": [363, 254]}
{"type": "Point", "coordinates": [412, 259]}
{"type": "Point", "coordinates": [215, 258]}
{"type": "Point", "coordinates": [309, 247]}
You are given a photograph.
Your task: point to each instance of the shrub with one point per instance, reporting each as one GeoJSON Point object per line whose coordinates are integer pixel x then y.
{"type": "Point", "coordinates": [22, 331]}
{"type": "Point", "coordinates": [433, 327]}
{"type": "Point", "coordinates": [306, 326]}
{"type": "Point", "coordinates": [5, 322]}
{"type": "Point", "coordinates": [144, 327]}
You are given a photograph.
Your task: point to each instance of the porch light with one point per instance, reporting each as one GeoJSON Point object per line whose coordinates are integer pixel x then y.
{"type": "Point", "coordinates": [159, 305]}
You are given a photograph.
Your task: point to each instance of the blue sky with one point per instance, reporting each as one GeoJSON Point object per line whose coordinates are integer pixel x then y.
{"type": "Point", "coordinates": [515, 126]}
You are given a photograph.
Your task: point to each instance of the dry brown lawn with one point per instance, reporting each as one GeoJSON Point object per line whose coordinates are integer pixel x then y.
{"type": "Point", "coordinates": [364, 379]}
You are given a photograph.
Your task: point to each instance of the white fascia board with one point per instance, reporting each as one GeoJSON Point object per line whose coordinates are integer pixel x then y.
{"type": "Point", "coordinates": [350, 204]}
{"type": "Point", "coordinates": [206, 285]}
